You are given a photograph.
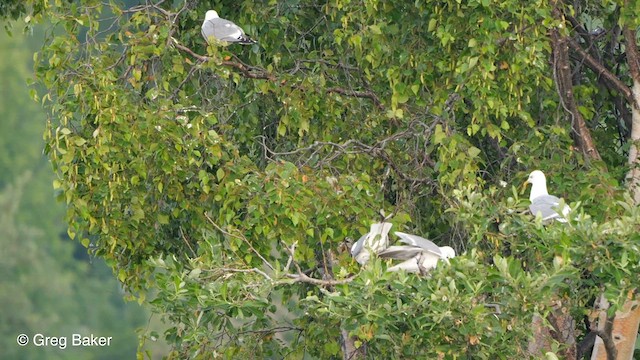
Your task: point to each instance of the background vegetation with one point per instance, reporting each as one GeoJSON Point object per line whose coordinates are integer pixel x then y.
{"type": "Point", "coordinates": [50, 285]}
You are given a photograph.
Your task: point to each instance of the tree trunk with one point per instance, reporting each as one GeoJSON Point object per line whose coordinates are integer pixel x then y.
{"type": "Point", "coordinates": [541, 342]}
{"type": "Point", "coordinates": [627, 320]}
{"type": "Point", "coordinates": [562, 331]}
{"type": "Point", "coordinates": [633, 59]}
{"type": "Point", "coordinates": [349, 350]}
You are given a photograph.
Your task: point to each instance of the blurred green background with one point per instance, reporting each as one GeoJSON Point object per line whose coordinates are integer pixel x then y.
{"type": "Point", "coordinates": [49, 283]}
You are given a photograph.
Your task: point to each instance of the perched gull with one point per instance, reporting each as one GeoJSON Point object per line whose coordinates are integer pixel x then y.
{"type": "Point", "coordinates": [223, 30]}
{"type": "Point", "coordinates": [541, 202]}
{"type": "Point", "coordinates": [375, 240]}
{"type": "Point", "coordinates": [419, 255]}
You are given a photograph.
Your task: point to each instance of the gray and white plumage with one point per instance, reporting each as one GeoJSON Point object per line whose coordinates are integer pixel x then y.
{"type": "Point", "coordinates": [541, 202]}
{"type": "Point", "coordinates": [419, 255]}
{"type": "Point", "coordinates": [375, 240]}
{"type": "Point", "coordinates": [223, 30]}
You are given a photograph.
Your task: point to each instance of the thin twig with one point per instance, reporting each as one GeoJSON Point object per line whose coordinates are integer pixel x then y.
{"type": "Point", "coordinates": [252, 270]}
{"type": "Point", "coordinates": [242, 238]}
{"type": "Point", "coordinates": [247, 71]}
{"type": "Point", "coordinates": [291, 252]}
{"type": "Point", "coordinates": [187, 242]}
{"type": "Point", "coordinates": [358, 94]}
{"type": "Point", "coordinates": [253, 72]}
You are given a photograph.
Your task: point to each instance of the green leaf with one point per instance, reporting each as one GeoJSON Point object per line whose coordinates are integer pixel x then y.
{"type": "Point", "coordinates": [220, 174]}
{"type": "Point", "coordinates": [473, 152]}
{"type": "Point", "coordinates": [432, 25]}
{"type": "Point", "coordinates": [438, 134]}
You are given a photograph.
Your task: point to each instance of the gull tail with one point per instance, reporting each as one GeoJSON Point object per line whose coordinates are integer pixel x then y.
{"type": "Point", "coordinates": [246, 40]}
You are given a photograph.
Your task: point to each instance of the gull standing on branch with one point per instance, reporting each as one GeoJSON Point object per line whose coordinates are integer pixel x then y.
{"type": "Point", "coordinates": [375, 240]}
{"type": "Point", "coordinates": [223, 30]}
{"type": "Point", "coordinates": [419, 255]}
{"type": "Point", "coordinates": [541, 202]}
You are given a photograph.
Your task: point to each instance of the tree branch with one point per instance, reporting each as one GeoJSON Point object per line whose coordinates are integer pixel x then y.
{"type": "Point", "coordinates": [562, 77]}
{"type": "Point", "coordinates": [607, 339]}
{"type": "Point", "coordinates": [376, 150]}
{"type": "Point", "coordinates": [259, 73]}
{"type": "Point", "coordinates": [359, 94]}
{"type": "Point", "coordinates": [252, 270]}
{"type": "Point", "coordinates": [302, 277]}
{"type": "Point", "coordinates": [246, 70]}
{"type": "Point", "coordinates": [601, 70]}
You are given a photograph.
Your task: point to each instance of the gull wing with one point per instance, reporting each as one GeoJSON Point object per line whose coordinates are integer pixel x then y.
{"type": "Point", "coordinates": [419, 241]}
{"type": "Point", "coordinates": [546, 205]}
{"type": "Point", "coordinates": [222, 30]}
{"type": "Point", "coordinates": [400, 252]}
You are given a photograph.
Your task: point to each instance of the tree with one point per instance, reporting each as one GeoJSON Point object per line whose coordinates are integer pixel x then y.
{"type": "Point", "coordinates": [225, 181]}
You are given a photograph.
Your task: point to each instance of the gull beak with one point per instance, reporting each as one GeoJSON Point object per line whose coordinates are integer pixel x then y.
{"type": "Point", "coordinates": [524, 185]}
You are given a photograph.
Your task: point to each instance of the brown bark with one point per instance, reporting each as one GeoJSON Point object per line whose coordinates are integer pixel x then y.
{"type": "Point", "coordinates": [541, 341]}
{"type": "Point", "coordinates": [562, 76]}
{"type": "Point", "coordinates": [562, 331]}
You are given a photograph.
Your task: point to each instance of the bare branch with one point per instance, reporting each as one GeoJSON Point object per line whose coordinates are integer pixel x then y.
{"type": "Point", "coordinates": [564, 86]}
{"type": "Point", "coordinates": [291, 252]}
{"type": "Point", "coordinates": [302, 277]}
{"type": "Point", "coordinates": [377, 150]}
{"type": "Point", "coordinates": [247, 71]}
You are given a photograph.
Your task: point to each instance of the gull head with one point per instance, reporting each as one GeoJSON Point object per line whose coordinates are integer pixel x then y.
{"type": "Point", "coordinates": [538, 184]}
{"type": "Point", "coordinates": [536, 177]}
{"type": "Point", "coordinates": [447, 252]}
{"type": "Point", "coordinates": [211, 14]}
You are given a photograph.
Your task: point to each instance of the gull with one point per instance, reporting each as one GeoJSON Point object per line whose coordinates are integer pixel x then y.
{"type": "Point", "coordinates": [375, 240]}
{"type": "Point", "coordinates": [541, 202]}
{"type": "Point", "coordinates": [223, 30]}
{"type": "Point", "coordinates": [419, 255]}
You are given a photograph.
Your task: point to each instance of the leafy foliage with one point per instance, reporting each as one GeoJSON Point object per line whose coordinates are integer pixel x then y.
{"type": "Point", "coordinates": [229, 179]}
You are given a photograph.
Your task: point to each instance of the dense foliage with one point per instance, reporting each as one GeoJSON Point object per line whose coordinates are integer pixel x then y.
{"type": "Point", "coordinates": [226, 182]}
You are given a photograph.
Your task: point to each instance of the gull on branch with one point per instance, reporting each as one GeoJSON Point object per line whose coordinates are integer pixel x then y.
{"type": "Point", "coordinates": [223, 30]}
{"type": "Point", "coordinates": [542, 203]}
